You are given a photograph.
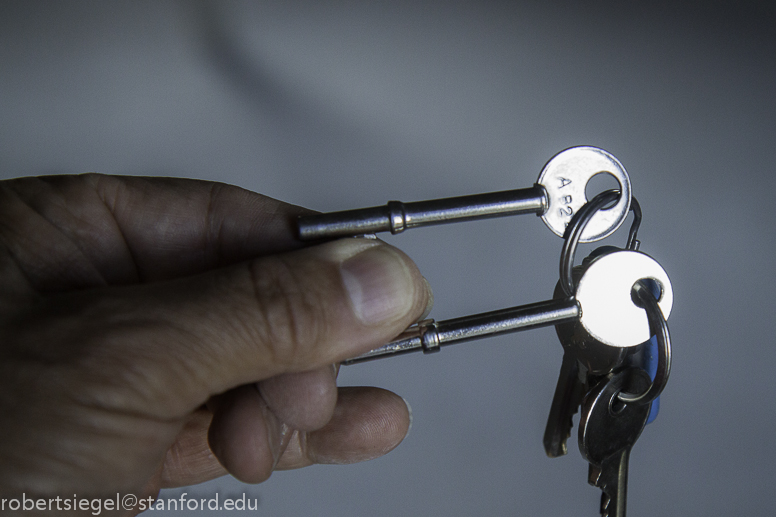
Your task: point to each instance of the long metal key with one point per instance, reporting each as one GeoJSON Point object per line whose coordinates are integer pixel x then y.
{"type": "Point", "coordinates": [558, 193]}
{"type": "Point", "coordinates": [608, 430]}
{"type": "Point", "coordinates": [604, 294]}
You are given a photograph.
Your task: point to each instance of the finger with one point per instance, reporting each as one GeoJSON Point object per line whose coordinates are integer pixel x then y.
{"type": "Point", "coordinates": [188, 339]}
{"type": "Point", "coordinates": [245, 436]}
{"type": "Point", "coordinates": [150, 492]}
{"type": "Point", "coordinates": [304, 401]}
{"type": "Point", "coordinates": [67, 232]}
{"type": "Point", "coordinates": [177, 226]}
{"type": "Point", "coordinates": [367, 423]}
{"type": "Point", "coordinates": [429, 301]}
{"type": "Point", "coordinates": [190, 461]}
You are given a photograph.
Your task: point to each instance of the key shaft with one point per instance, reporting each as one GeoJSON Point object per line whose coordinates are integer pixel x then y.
{"type": "Point", "coordinates": [429, 336]}
{"type": "Point", "coordinates": [395, 216]}
{"type": "Point", "coordinates": [559, 192]}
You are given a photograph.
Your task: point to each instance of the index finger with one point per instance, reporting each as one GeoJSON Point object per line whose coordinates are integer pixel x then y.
{"type": "Point", "coordinates": [132, 229]}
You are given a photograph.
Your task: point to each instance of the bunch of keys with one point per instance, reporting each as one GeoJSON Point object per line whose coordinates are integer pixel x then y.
{"type": "Point", "coordinates": [610, 313]}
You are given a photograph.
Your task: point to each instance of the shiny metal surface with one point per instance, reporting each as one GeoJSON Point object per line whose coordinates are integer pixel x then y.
{"type": "Point", "coordinates": [576, 228]}
{"type": "Point", "coordinates": [429, 335]}
{"type": "Point", "coordinates": [565, 178]}
{"type": "Point", "coordinates": [395, 217]}
{"type": "Point", "coordinates": [558, 194]}
{"type": "Point", "coordinates": [604, 294]}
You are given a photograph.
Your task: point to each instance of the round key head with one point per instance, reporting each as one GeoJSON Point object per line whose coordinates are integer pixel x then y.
{"type": "Point", "coordinates": [609, 313]}
{"type": "Point", "coordinates": [606, 426]}
{"type": "Point", "coordinates": [565, 177]}
{"type": "Point", "coordinates": [597, 358]}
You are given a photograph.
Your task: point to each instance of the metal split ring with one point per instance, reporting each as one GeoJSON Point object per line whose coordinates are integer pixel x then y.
{"type": "Point", "coordinates": [659, 327]}
{"type": "Point", "coordinates": [657, 322]}
{"type": "Point", "coordinates": [576, 226]}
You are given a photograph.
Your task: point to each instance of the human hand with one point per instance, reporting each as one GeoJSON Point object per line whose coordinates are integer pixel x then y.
{"type": "Point", "coordinates": [139, 317]}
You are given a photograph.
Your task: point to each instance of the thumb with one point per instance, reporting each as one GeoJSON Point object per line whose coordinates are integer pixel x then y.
{"type": "Point", "coordinates": [194, 337]}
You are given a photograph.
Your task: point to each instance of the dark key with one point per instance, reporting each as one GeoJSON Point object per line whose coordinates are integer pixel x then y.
{"type": "Point", "coordinates": [608, 430]}
{"type": "Point", "coordinates": [565, 403]}
{"type": "Point", "coordinates": [585, 361]}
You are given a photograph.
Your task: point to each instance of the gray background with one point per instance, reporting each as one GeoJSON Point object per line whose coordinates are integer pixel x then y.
{"type": "Point", "coordinates": [336, 105]}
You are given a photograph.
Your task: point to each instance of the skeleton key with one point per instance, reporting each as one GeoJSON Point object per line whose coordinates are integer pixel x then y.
{"type": "Point", "coordinates": [558, 193]}
{"type": "Point", "coordinates": [611, 295]}
{"type": "Point", "coordinates": [586, 359]}
{"type": "Point", "coordinates": [608, 429]}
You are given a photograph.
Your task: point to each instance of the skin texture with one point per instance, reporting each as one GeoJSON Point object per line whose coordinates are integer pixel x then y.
{"type": "Point", "coordinates": [163, 332]}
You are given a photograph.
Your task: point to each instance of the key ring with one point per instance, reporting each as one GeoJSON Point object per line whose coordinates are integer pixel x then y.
{"type": "Point", "coordinates": [576, 226]}
{"type": "Point", "coordinates": [658, 325]}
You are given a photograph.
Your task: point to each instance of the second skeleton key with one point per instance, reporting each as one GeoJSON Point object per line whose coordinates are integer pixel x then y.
{"type": "Point", "coordinates": [606, 285]}
{"type": "Point", "coordinates": [557, 195]}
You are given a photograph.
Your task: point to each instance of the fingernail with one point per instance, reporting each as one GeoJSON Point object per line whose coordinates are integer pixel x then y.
{"type": "Point", "coordinates": [409, 410]}
{"type": "Point", "coordinates": [430, 303]}
{"type": "Point", "coordinates": [278, 434]}
{"type": "Point", "coordinates": [379, 283]}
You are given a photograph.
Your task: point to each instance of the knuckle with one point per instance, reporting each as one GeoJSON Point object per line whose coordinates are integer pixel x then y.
{"type": "Point", "coordinates": [292, 312]}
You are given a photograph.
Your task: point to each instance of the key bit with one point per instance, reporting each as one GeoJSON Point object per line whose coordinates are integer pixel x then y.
{"type": "Point", "coordinates": [608, 430]}
{"type": "Point", "coordinates": [558, 193]}
{"type": "Point", "coordinates": [614, 492]}
{"type": "Point", "coordinates": [568, 395]}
